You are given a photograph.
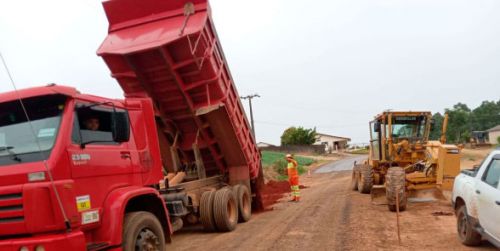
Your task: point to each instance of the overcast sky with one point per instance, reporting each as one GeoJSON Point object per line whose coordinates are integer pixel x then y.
{"type": "Point", "coordinates": [330, 64]}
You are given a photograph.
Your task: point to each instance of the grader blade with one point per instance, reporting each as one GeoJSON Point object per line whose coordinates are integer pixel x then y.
{"type": "Point", "coordinates": [378, 195]}
{"type": "Point", "coordinates": [425, 195]}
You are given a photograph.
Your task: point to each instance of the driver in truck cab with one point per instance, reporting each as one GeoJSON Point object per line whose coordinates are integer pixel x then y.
{"type": "Point", "coordinates": [91, 123]}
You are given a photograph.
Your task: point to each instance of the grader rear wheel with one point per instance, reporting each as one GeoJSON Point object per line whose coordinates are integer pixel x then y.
{"type": "Point", "coordinates": [365, 179]}
{"type": "Point", "coordinates": [395, 185]}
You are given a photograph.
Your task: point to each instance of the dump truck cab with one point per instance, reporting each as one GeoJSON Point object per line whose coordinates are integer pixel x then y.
{"type": "Point", "coordinates": [59, 173]}
{"type": "Point", "coordinates": [84, 172]}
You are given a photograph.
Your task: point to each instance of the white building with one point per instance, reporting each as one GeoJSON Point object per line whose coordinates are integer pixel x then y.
{"type": "Point", "coordinates": [264, 144]}
{"type": "Point", "coordinates": [493, 134]}
{"type": "Point", "coordinates": [331, 142]}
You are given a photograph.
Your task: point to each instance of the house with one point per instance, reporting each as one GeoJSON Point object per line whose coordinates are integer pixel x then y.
{"type": "Point", "coordinates": [493, 134]}
{"type": "Point", "coordinates": [264, 144]}
{"type": "Point", "coordinates": [331, 142]}
{"type": "Point", "coordinates": [480, 137]}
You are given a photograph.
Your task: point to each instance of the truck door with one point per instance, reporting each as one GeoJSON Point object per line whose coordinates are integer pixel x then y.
{"type": "Point", "coordinates": [488, 194]}
{"type": "Point", "coordinates": [99, 164]}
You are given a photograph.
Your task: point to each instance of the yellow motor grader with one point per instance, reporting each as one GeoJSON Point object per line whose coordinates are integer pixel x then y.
{"type": "Point", "coordinates": [403, 160]}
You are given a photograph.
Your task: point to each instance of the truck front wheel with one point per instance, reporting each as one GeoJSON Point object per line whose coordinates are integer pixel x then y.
{"type": "Point", "coordinates": [465, 229]}
{"type": "Point", "coordinates": [142, 231]}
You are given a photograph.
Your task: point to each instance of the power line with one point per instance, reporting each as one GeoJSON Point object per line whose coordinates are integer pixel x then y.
{"type": "Point", "coordinates": [318, 126]}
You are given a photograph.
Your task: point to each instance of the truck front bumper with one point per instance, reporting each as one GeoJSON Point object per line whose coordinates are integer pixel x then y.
{"type": "Point", "coordinates": [74, 241]}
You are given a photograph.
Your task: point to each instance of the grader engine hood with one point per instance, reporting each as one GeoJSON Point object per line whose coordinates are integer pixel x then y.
{"type": "Point", "coordinates": [447, 159]}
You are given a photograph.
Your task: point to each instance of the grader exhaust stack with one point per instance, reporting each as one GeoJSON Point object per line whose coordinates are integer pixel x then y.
{"type": "Point", "coordinates": [404, 162]}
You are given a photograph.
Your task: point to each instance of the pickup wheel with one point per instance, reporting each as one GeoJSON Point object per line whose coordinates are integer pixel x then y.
{"type": "Point", "coordinates": [142, 231]}
{"type": "Point", "coordinates": [354, 178]}
{"type": "Point", "coordinates": [225, 210]}
{"type": "Point", "coordinates": [365, 177]}
{"type": "Point", "coordinates": [466, 232]}
{"type": "Point", "coordinates": [206, 211]}
{"type": "Point", "coordinates": [395, 184]}
{"type": "Point", "coordinates": [244, 203]}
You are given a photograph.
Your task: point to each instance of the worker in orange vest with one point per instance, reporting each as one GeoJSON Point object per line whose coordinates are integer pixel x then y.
{"type": "Point", "coordinates": [293, 177]}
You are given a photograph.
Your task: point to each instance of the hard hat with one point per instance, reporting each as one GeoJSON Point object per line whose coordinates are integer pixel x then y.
{"type": "Point", "coordinates": [289, 156]}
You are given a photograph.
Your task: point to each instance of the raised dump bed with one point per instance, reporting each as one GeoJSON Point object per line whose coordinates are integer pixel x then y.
{"type": "Point", "coordinates": [169, 51]}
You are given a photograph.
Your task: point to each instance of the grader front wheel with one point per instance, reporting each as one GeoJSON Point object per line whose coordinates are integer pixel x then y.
{"type": "Point", "coordinates": [354, 178]}
{"type": "Point", "coordinates": [365, 179]}
{"type": "Point", "coordinates": [395, 188]}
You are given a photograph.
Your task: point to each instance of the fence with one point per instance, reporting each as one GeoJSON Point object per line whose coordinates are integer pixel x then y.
{"type": "Point", "coordinates": [319, 149]}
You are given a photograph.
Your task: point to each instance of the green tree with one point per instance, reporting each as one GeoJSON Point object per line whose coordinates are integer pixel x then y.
{"type": "Point", "coordinates": [437, 126]}
{"type": "Point", "coordinates": [298, 136]}
{"type": "Point", "coordinates": [458, 123]}
{"type": "Point", "coordinates": [486, 116]}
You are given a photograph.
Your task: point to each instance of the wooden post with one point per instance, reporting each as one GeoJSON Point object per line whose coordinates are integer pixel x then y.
{"type": "Point", "coordinates": [397, 216]}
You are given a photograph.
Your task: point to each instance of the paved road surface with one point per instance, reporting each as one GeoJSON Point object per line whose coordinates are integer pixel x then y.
{"type": "Point", "coordinates": [341, 165]}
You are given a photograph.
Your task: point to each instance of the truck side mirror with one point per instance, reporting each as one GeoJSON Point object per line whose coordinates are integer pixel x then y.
{"type": "Point", "coordinates": [120, 126]}
{"type": "Point", "coordinates": [433, 122]}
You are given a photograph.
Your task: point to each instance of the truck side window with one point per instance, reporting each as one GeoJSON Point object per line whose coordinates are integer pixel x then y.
{"type": "Point", "coordinates": [92, 125]}
{"type": "Point", "coordinates": [492, 174]}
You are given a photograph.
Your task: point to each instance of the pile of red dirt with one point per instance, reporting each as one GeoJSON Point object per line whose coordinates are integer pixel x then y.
{"type": "Point", "coordinates": [272, 192]}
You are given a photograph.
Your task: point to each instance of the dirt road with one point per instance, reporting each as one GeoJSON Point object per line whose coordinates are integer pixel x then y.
{"type": "Point", "coordinates": [331, 217]}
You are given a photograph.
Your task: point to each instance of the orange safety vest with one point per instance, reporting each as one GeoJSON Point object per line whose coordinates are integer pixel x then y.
{"type": "Point", "coordinates": [292, 169]}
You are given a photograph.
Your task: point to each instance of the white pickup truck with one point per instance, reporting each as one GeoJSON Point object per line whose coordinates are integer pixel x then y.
{"type": "Point", "coordinates": [476, 199]}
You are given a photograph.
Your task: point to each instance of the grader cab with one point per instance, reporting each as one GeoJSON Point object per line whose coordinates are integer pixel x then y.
{"type": "Point", "coordinates": [403, 161]}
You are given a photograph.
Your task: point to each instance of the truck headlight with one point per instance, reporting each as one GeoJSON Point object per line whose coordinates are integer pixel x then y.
{"type": "Point", "coordinates": [23, 248]}
{"type": "Point", "coordinates": [39, 248]}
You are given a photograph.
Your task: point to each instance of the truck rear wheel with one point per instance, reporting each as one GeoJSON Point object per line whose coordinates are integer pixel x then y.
{"type": "Point", "coordinates": [365, 181]}
{"type": "Point", "coordinates": [395, 184]}
{"type": "Point", "coordinates": [142, 231]}
{"type": "Point", "coordinates": [354, 178]}
{"type": "Point", "coordinates": [244, 203]}
{"type": "Point", "coordinates": [466, 232]}
{"type": "Point", "coordinates": [225, 210]}
{"type": "Point", "coordinates": [206, 211]}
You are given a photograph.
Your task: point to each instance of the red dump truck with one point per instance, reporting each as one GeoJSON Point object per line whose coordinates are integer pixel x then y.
{"type": "Point", "coordinates": [81, 172]}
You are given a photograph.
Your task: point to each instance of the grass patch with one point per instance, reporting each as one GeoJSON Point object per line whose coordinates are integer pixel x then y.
{"type": "Point", "coordinates": [277, 162]}
{"type": "Point", "coordinates": [360, 151]}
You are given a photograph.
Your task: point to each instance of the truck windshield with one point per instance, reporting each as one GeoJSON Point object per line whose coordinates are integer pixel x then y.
{"type": "Point", "coordinates": [21, 142]}
{"type": "Point", "coordinates": [410, 127]}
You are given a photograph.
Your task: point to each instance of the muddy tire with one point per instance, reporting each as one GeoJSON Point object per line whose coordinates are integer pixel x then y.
{"type": "Point", "coordinates": [466, 232]}
{"type": "Point", "coordinates": [142, 231]}
{"type": "Point", "coordinates": [225, 210]}
{"type": "Point", "coordinates": [206, 211]}
{"type": "Point", "coordinates": [244, 200]}
{"type": "Point", "coordinates": [354, 178]}
{"type": "Point", "coordinates": [365, 179]}
{"type": "Point", "coordinates": [395, 184]}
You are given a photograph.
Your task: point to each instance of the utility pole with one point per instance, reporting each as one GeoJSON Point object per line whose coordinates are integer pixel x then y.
{"type": "Point", "coordinates": [250, 97]}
